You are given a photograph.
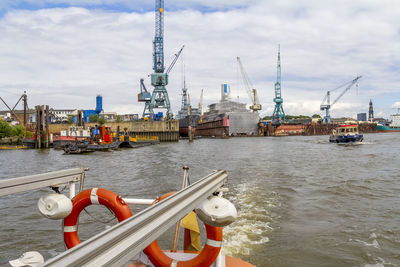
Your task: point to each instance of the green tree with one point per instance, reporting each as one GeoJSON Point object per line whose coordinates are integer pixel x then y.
{"type": "Point", "coordinates": [5, 129]}
{"type": "Point", "coordinates": [119, 119]}
{"type": "Point", "coordinates": [316, 116]}
{"type": "Point", "coordinates": [102, 120]}
{"type": "Point", "coordinates": [18, 130]}
{"type": "Point", "coordinates": [70, 120]}
{"type": "Point", "coordinates": [93, 118]}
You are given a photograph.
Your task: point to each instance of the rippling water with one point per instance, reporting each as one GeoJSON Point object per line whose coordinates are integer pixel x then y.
{"type": "Point", "coordinates": [301, 201]}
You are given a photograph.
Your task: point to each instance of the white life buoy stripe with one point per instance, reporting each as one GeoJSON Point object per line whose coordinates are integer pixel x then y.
{"type": "Point", "coordinates": [93, 196]}
{"type": "Point", "coordinates": [214, 243]}
{"type": "Point", "coordinates": [70, 229]}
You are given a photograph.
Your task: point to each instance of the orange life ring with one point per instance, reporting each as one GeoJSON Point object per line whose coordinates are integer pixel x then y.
{"type": "Point", "coordinates": [88, 197]}
{"type": "Point", "coordinates": [206, 257]}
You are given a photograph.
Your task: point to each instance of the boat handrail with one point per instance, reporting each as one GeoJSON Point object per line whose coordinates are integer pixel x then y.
{"type": "Point", "coordinates": [37, 181]}
{"type": "Point", "coordinates": [120, 243]}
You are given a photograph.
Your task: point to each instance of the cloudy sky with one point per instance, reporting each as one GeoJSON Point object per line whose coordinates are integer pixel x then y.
{"type": "Point", "coordinates": [64, 53]}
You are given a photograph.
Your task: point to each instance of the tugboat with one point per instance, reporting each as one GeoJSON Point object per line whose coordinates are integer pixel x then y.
{"type": "Point", "coordinates": [346, 133]}
{"type": "Point", "coordinates": [101, 140]}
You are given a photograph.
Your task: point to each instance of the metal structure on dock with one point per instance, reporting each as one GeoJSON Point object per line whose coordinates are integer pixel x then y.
{"type": "Point", "coordinates": [327, 107]}
{"type": "Point", "coordinates": [278, 117]}
{"type": "Point", "coordinates": [251, 91]}
{"type": "Point", "coordinates": [159, 79]}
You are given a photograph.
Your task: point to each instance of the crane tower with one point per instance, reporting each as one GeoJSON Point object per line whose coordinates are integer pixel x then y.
{"type": "Point", "coordinates": [278, 116]}
{"type": "Point", "coordinates": [159, 79]}
{"type": "Point", "coordinates": [327, 107]}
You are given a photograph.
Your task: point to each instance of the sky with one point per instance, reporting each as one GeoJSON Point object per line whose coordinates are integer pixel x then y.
{"type": "Point", "coordinates": [64, 53]}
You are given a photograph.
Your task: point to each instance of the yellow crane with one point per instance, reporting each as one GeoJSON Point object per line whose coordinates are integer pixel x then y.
{"type": "Point", "coordinates": [251, 91]}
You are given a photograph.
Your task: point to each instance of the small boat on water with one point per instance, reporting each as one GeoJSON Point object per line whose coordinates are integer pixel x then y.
{"type": "Point", "coordinates": [137, 141]}
{"type": "Point", "coordinates": [70, 136]}
{"type": "Point", "coordinates": [102, 140]}
{"type": "Point", "coordinates": [133, 239]}
{"type": "Point", "coordinates": [346, 133]}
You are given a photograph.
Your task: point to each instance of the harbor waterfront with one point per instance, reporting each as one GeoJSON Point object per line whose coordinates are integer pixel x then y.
{"type": "Point", "coordinates": [301, 200]}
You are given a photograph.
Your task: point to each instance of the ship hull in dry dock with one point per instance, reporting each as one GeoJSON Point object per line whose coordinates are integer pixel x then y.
{"type": "Point", "coordinates": [184, 125]}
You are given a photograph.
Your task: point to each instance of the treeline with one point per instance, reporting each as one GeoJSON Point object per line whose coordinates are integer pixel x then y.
{"type": "Point", "coordinates": [6, 130]}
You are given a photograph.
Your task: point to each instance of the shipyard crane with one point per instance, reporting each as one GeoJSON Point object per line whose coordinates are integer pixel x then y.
{"type": "Point", "coordinates": [256, 106]}
{"type": "Point", "coordinates": [201, 106]}
{"type": "Point", "coordinates": [145, 96]}
{"type": "Point", "coordinates": [278, 117]}
{"type": "Point", "coordinates": [159, 78]}
{"type": "Point", "coordinates": [327, 97]}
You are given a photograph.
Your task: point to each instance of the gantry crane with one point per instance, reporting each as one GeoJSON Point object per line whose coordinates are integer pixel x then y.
{"type": "Point", "coordinates": [145, 96]}
{"type": "Point", "coordinates": [278, 116]}
{"type": "Point", "coordinates": [328, 105]}
{"type": "Point", "coordinates": [159, 79]}
{"type": "Point", "coordinates": [256, 106]}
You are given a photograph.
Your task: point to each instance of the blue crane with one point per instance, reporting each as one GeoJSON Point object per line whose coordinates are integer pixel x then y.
{"type": "Point", "coordinates": [159, 78]}
{"type": "Point", "coordinates": [327, 98]}
{"type": "Point", "coordinates": [278, 116]}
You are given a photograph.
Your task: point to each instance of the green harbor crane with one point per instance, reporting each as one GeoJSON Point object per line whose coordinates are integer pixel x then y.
{"type": "Point", "coordinates": [278, 117]}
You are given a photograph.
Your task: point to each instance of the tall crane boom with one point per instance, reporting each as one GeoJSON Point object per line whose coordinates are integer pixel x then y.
{"type": "Point", "coordinates": [159, 79]}
{"type": "Point", "coordinates": [327, 98]}
{"type": "Point", "coordinates": [174, 61]}
{"type": "Point", "coordinates": [251, 91]}
{"type": "Point", "coordinates": [278, 116]}
{"type": "Point", "coordinates": [158, 43]}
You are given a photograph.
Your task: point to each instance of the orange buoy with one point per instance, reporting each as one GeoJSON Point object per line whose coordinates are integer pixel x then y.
{"type": "Point", "coordinates": [96, 196]}
{"type": "Point", "coordinates": [206, 257]}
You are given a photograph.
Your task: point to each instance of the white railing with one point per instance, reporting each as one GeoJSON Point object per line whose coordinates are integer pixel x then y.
{"type": "Point", "coordinates": [50, 179]}
{"type": "Point", "coordinates": [118, 244]}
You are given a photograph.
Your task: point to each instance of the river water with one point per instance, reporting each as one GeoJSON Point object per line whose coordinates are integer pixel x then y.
{"type": "Point", "coordinates": [301, 201]}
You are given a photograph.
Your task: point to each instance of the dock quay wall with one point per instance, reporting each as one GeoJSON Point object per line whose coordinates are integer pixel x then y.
{"type": "Point", "coordinates": [167, 131]}
{"type": "Point", "coordinates": [216, 128]}
{"type": "Point", "coordinates": [318, 129]}
{"type": "Point", "coordinates": [326, 129]}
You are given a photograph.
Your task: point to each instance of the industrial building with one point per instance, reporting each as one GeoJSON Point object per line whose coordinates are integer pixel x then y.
{"type": "Point", "coordinates": [362, 116]}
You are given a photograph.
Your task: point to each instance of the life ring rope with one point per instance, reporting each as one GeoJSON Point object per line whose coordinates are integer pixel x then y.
{"type": "Point", "coordinates": [92, 196]}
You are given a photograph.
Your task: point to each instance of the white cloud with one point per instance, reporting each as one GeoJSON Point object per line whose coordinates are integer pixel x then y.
{"type": "Point", "coordinates": [64, 57]}
{"type": "Point", "coordinates": [396, 105]}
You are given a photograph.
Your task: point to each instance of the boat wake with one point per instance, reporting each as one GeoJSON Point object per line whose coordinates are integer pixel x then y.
{"type": "Point", "coordinates": [252, 226]}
